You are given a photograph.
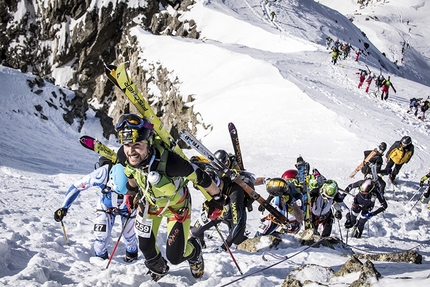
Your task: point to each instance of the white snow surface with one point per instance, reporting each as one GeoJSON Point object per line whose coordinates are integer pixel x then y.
{"type": "Point", "coordinates": [275, 81]}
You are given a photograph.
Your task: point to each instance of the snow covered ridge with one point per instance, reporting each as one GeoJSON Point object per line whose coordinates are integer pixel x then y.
{"type": "Point", "coordinates": [283, 104]}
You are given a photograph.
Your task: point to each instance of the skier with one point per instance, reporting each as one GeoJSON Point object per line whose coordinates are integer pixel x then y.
{"type": "Point", "coordinates": [337, 44]}
{"type": "Point", "coordinates": [378, 82]}
{"type": "Point", "coordinates": [328, 41]}
{"type": "Point", "coordinates": [414, 103]}
{"type": "Point", "coordinates": [314, 181]}
{"type": "Point", "coordinates": [335, 54]}
{"type": "Point", "coordinates": [357, 54]}
{"type": "Point", "coordinates": [230, 160]}
{"type": "Point", "coordinates": [385, 88]}
{"type": "Point", "coordinates": [233, 215]}
{"type": "Point", "coordinates": [346, 48]}
{"type": "Point", "coordinates": [112, 203]}
{"type": "Point", "coordinates": [159, 177]}
{"type": "Point", "coordinates": [287, 201]}
{"type": "Point", "coordinates": [291, 177]}
{"type": "Point", "coordinates": [426, 194]}
{"type": "Point", "coordinates": [399, 153]}
{"type": "Point", "coordinates": [363, 204]}
{"type": "Point", "coordinates": [373, 168]}
{"type": "Point", "coordinates": [297, 192]}
{"type": "Point", "coordinates": [424, 107]}
{"type": "Point", "coordinates": [362, 73]}
{"type": "Point", "coordinates": [369, 79]}
{"type": "Point", "coordinates": [322, 201]}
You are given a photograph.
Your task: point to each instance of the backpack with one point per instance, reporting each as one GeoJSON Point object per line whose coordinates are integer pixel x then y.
{"type": "Point", "coordinates": [379, 80]}
{"type": "Point", "coordinates": [366, 169]}
{"type": "Point", "coordinates": [103, 161]}
{"type": "Point", "coordinates": [425, 106]}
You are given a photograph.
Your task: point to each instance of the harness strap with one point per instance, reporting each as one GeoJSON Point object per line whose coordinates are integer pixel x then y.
{"type": "Point", "coordinates": [183, 213]}
{"type": "Point", "coordinates": [112, 211]}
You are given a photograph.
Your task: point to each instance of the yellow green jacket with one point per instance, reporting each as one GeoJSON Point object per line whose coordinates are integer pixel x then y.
{"type": "Point", "coordinates": [171, 190]}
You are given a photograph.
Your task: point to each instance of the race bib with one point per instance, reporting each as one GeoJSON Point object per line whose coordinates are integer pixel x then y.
{"type": "Point", "coordinates": [99, 227]}
{"type": "Point", "coordinates": [143, 227]}
{"type": "Point", "coordinates": [204, 217]}
{"type": "Point", "coordinates": [262, 228]}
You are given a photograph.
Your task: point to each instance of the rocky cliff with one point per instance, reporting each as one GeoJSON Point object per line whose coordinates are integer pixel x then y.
{"type": "Point", "coordinates": [79, 36]}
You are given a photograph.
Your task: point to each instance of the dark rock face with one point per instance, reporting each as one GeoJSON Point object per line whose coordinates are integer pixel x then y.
{"type": "Point", "coordinates": [73, 34]}
{"type": "Point", "coordinates": [410, 256]}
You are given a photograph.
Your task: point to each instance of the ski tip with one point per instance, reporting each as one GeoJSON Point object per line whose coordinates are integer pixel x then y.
{"type": "Point", "coordinates": [87, 142]}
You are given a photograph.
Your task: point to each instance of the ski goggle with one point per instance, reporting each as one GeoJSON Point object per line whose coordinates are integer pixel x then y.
{"type": "Point", "coordinates": [365, 189]}
{"type": "Point", "coordinates": [128, 136]}
{"type": "Point", "coordinates": [131, 128]}
{"type": "Point", "coordinates": [133, 121]}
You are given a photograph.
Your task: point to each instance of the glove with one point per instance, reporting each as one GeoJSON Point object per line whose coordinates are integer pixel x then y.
{"type": "Point", "coordinates": [215, 206]}
{"type": "Point", "coordinates": [369, 215]}
{"type": "Point", "coordinates": [261, 208]}
{"type": "Point", "coordinates": [129, 202]}
{"type": "Point", "coordinates": [59, 214]}
{"type": "Point", "coordinates": [338, 214]}
{"type": "Point", "coordinates": [427, 194]}
{"type": "Point", "coordinates": [421, 183]}
{"type": "Point", "coordinates": [388, 171]}
{"type": "Point", "coordinates": [348, 188]}
{"type": "Point", "coordinates": [221, 249]}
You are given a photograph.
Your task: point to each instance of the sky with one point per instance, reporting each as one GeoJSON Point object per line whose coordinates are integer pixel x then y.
{"type": "Point", "coordinates": [275, 81]}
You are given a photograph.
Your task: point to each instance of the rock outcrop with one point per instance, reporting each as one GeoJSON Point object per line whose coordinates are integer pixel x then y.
{"type": "Point", "coordinates": [81, 36]}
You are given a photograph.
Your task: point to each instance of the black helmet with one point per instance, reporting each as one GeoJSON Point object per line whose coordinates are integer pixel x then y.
{"type": "Point", "coordinates": [382, 147]}
{"type": "Point", "coordinates": [406, 140]}
{"type": "Point", "coordinates": [223, 156]}
{"type": "Point", "coordinates": [277, 187]}
{"type": "Point", "coordinates": [131, 128]}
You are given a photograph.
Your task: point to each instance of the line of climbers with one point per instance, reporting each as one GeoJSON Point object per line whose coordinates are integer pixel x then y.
{"type": "Point", "coordinates": [150, 183]}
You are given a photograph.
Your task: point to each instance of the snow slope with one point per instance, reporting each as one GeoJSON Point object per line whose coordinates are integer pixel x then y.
{"type": "Point", "coordinates": [285, 98]}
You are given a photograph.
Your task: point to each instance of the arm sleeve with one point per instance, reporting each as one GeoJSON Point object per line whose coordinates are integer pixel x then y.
{"type": "Point", "coordinates": [356, 184]}
{"type": "Point", "coordinates": [383, 203]}
{"type": "Point", "coordinates": [178, 166]}
{"type": "Point", "coordinates": [387, 155]}
{"type": "Point", "coordinates": [97, 178]}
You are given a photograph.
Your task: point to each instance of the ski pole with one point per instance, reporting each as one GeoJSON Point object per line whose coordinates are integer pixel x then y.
{"type": "Point", "coordinates": [415, 192]}
{"type": "Point", "coordinates": [228, 249]}
{"type": "Point", "coordinates": [274, 264]}
{"type": "Point", "coordinates": [64, 231]}
{"type": "Point", "coordinates": [340, 230]}
{"type": "Point", "coordinates": [347, 234]}
{"type": "Point", "coordinates": [416, 202]}
{"type": "Point", "coordinates": [119, 238]}
{"type": "Point", "coordinates": [368, 228]}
